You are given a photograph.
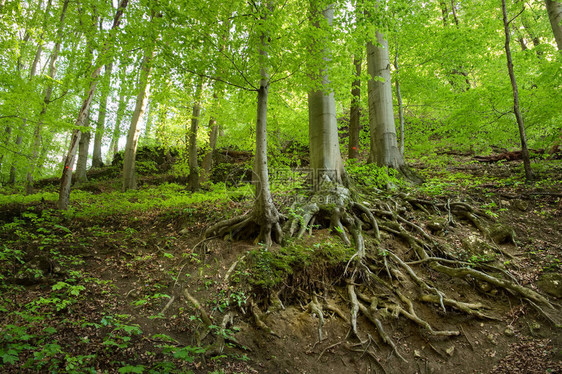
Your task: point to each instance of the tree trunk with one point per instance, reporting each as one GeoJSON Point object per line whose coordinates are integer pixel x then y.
{"type": "Point", "coordinates": [7, 136]}
{"type": "Point", "coordinates": [149, 119]}
{"type": "Point", "coordinates": [193, 178]}
{"type": "Point", "coordinates": [13, 170]}
{"type": "Point", "coordinates": [129, 177]}
{"type": "Point", "coordinates": [264, 210]}
{"type": "Point", "coordinates": [207, 163]}
{"type": "Point", "coordinates": [66, 179]}
{"type": "Point", "coordinates": [384, 147]}
{"type": "Point", "coordinates": [33, 70]}
{"type": "Point", "coordinates": [325, 155]}
{"type": "Point", "coordinates": [355, 111]}
{"type": "Point", "coordinates": [82, 162]}
{"type": "Point", "coordinates": [100, 126]}
{"type": "Point", "coordinates": [400, 105]}
{"type": "Point", "coordinates": [114, 145]}
{"type": "Point", "coordinates": [554, 9]}
{"type": "Point", "coordinates": [516, 110]}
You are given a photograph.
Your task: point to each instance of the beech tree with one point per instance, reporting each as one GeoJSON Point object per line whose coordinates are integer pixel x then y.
{"type": "Point", "coordinates": [515, 89]}
{"type": "Point", "coordinates": [264, 219]}
{"type": "Point", "coordinates": [129, 177]}
{"type": "Point", "coordinates": [554, 9]}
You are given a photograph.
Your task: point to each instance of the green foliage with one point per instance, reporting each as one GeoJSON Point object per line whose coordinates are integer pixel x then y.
{"type": "Point", "coordinates": [372, 176]}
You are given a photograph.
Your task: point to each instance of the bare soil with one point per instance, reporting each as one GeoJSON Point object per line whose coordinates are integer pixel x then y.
{"type": "Point", "coordinates": [162, 253]}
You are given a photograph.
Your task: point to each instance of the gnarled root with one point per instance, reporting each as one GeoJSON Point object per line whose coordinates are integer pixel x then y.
{"type": "Point", "coordinates": [265, 227]}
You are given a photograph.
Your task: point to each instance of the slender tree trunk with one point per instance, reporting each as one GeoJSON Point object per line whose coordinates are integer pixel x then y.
{"type": "Point", "coordinates": [264, 210]}
{"type": "Point", "coordinates": [516, 110]}
{"type": "Point", "coordinates": [129, 178]}
{"type": "Point", "coordinates": [444, 13]}
{"type": "Point", "coordinates": [46, 99]}
{"type": "Point", "coordinates": [355, 110]}
{"type": "Point", "coordinates": [207, 163]}
{"type": "Point", "coordinates": [554, 9]}
{"type": "Point", "coordinates": [325, 155]}
{"type": "Point", "coordinates": [66, 179]}
{"type": "Point", "coordinates": [100, 125]}
{"type": "Point", "coordinates": [37, 58]}
{"type": "Point", "coordinates": [193, 178]}
{"type": "Point", "coordinates": [454, 10]}
{"type": "Point", "coordinates": [7, 136]}
{"type": "Point", "coordinates": [114, 145]}
{"type": "Point", "coordinates": [384, 147]}
{"type": "Point", "coordinates": [82, 162]}
{"type": "Point", "coordinates": [13, 169]}
{"type": "Point", "coordinates": [400, 104]}
{"type": "Point", "coordinates": [149, 119]}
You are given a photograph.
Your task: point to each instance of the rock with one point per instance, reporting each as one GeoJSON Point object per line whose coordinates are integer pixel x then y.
{"type": "Point", "coordinates": [492, 339]}
{"type": "Point", "coordinates": [505, 203]}
{"type": "Point", "coordinates": [551, 283]}
{"type": "Point", "coordinates": [484, 286]}
{"type": "Point", "coordinates": [417, 354]}
{"type": "Point", "coordinates": [475, 246]}
{"type": "Point", "coordinates": [437, 225]}
{"type": "Point", "coordinates": [502, 234]}
{"type": "Point", "coordinates": [522, 205]}
{"type": "Point", "coordinates": [509, 331]}
{"type": "Point", "coordinates": [534, 326]}
{"type": "Point", "coordinates": [450, 350]}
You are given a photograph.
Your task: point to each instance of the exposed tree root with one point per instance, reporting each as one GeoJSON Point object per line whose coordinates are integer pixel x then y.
{"type": "Point", "coordinates": [348, 219]}
{"type": "Point", "coordinates": [265, 227]}
{"type": "Point", "coordinates": [380, 282]}
{"type": "Point", "coordinates": [315, 307]}
{"type": "Point", "coordinates": [258, 320]}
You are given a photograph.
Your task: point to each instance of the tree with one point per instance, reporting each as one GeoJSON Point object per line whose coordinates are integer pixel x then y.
{"type": "Point", "coordinates": [384, 147]}
{"type": "Point", "coordinates": [100, 124]}
{"type": "Point", "coordinates": [129, 178]}
{"type": "Point", "coordinates": [264, 219]}
{"type": "Point", "coordinates": [193, 177]}
{"type": "Point", "coordinates": [516, 109]}
{"type": "Point", "coordinates": [325, 156]}
{"type": "Point", "coordinates": [554, 9]}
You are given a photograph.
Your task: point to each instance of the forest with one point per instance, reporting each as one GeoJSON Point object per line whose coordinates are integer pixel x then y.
{"type": "Point", "coordinates": [280, 186]}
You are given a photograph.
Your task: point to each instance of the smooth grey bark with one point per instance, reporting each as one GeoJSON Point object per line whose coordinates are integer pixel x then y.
{"type": "Point", "coordinates": [66, 179]}
{"type": "Point", "coordinates": [516, 109]}
{"type": "Point", "coordinates": [82, 162]}
{"type": "Point", "coordinates": [47, 92]}
{"type": "Point", "coordinates": [400, 105]}
{"type": "Point", "coordinates": [325, 155]}
{"type": "Point", "coordinates": [554, 9]}
{"type": "Point", "coordinates": [129, 177]}
{"type": "Point", "coordinates": [384, 147]}
{"type": "Point", "coordinates": [114, 145]}
{"type": "Point", "coordinates": [193, 177]}
{"type": "Point", "coordinates": [100, 125]}
{"type": "Point", "coordinates": [355, 111]}
{"type": "Point", "coordinates": [265, 213]}
{"type": "Point", "coordinates": [149, 119]}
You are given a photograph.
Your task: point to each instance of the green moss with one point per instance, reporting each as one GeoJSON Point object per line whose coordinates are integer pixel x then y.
{"type": "Point", "coordinates": [267, 269]}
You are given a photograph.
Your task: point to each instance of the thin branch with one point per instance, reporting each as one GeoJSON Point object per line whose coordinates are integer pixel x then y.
{"type": "Point", "coordinates": [517, 15]}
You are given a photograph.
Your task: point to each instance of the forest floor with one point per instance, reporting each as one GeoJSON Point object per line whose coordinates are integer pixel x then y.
{"type": "Point", "coordinates": [124, 283]}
